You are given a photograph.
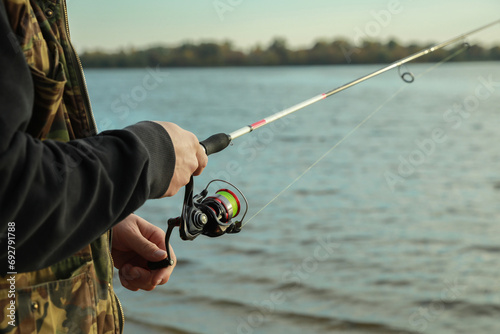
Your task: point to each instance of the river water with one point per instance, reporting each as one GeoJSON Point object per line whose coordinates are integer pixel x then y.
{"type": "Point", "coordinates": [373, 211]}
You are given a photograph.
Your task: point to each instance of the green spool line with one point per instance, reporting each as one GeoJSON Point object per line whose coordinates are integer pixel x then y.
{"type": "Point", "coordinates": [232, 198]}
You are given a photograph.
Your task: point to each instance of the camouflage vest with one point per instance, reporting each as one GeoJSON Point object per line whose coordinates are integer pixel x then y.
{"type": "Point", "coordinates": [76, 294]}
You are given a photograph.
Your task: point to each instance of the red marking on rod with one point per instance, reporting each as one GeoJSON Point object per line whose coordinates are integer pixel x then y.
{"type": "Point", "coordinates": [324, 95]}
{"type": "Point", "coordinates": [258, 124]}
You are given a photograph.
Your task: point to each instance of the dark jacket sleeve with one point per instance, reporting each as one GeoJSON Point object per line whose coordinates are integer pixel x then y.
{"type": "Point", "coordinates": [62, 196]}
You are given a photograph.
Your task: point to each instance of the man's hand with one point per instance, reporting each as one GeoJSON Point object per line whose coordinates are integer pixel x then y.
{"type": "Point", "coordinates": [135, 242]}
{"type": "Point", "coordinates": [190, 157]}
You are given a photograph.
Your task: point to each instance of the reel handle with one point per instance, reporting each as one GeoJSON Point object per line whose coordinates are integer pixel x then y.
{"type": "Point", "coordinates": [173, 222]}
{"type": "Point", "coordinates": [160, 264]}
{"type": "Point", "coordinates": [216, 143]}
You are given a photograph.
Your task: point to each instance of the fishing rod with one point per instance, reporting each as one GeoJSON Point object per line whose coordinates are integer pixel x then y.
{"type": "Point", "coordinates": [213, 215]}
{"type": "Point", "coordinates": [220, 141]}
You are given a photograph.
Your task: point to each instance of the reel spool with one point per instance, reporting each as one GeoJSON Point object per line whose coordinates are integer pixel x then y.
{"type": "Point", "coordinates": [224, 203]}
{"type": "Point", "coordinates": [220, 209]}
{"type": "Point", "coordinates": [211, 216]}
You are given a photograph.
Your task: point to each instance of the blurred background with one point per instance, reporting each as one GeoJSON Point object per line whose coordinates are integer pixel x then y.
{"type": "Point", "coordinates": [374, 211]}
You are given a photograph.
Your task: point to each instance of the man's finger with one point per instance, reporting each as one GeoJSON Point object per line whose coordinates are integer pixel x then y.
{"type": "Point", "coordinates": [135, 282]}
{"type": "Point", "coordinates": [202, 161]}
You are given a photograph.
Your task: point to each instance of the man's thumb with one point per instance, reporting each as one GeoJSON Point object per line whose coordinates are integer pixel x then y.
{"type": "Point", "coordinates": [150, 251]}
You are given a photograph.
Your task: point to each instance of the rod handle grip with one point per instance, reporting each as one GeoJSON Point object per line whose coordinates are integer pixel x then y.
{"type": "Point", "coordinates": [216, 143]}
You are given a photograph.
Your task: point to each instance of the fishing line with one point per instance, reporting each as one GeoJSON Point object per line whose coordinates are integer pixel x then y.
{"type": "Point", "coordinates": [465, 47]}
{"type": "Point", "coordinates": [325, 154]}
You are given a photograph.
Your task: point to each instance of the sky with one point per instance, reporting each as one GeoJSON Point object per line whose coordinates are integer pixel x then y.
{"type": "Point", "coordinates": [111, 25]}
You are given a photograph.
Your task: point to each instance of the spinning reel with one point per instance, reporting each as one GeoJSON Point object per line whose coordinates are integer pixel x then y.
{"type": "Point", "coordinates": [211, 216]}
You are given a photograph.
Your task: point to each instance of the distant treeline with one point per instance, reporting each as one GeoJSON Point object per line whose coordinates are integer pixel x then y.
{"type": "Point", "coordinates": [277, 53]}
